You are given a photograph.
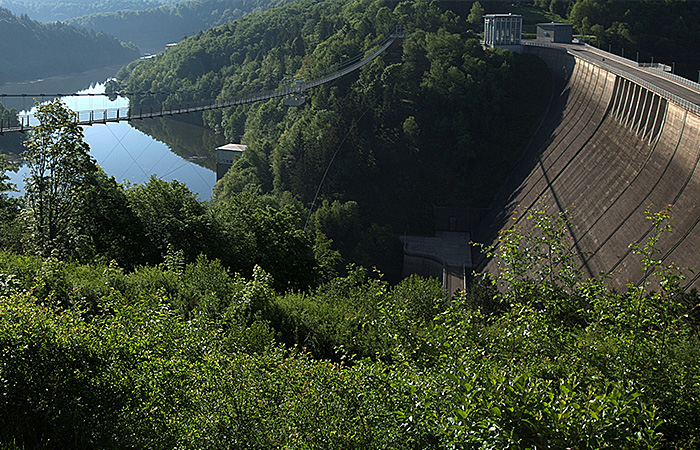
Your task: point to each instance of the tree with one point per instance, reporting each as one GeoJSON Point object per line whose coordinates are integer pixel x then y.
{"type": "Point", "coordinates": [476, 13]}
{"type": "Point", "coordinates": [9, 206]}
{"type": "Point", "coordinates": [5, 184]}
{"type": "Point", "coordinates": [109, 227]}
{"type": "Point", "coordinates": [60, 170]}
{"type": "Point", "coordinates": [171, 215]}
{"type": "Point", "coordinates": [250, 232]}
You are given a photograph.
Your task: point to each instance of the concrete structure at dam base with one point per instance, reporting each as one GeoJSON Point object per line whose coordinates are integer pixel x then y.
{"type": "Point", "coordinates": [609, 148]}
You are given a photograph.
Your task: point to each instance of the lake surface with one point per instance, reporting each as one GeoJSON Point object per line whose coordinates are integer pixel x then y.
{"type": "Point", "coordinates": [123, 151]}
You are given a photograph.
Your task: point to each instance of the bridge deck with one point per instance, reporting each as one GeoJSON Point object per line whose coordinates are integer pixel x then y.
{"type": "Point", "coordinates": [104, 116]}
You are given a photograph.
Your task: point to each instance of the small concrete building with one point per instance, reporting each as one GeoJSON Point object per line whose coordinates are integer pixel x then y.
{"type": "Point", "coordinates": [503, 31]}
{"type": "Point", "coordinates": [225, 156]}
{"type": "Point", "coordinates": [561, 33]}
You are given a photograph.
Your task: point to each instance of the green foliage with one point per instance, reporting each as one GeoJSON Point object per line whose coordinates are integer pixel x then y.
{"type": "Point", "coordinates": [205, 325]}
{"type": "Point", "coordinates": [60, 10]}
{"type": "Point", "coordinates": [184, 354]}
{"type": "Point", "coordinates": [250, 232]}
{"type": "Point", "coordinates": [111, 229]}
{"type": "Point", "coordinates": [9, 207]}
{"type": "Point", "coordinates": [370, 136]}
{"type": "Point", "coordinates": [661, 30]}
{"type": "Point", "coordinates": [476, 14]}
{"type": "Point", "coordinates": [60, 171]}
{"type": "Point", "coordinates": [169, 214]}
{"type": "Point", "coordinates": [152, 26]}
{"type": "Point", "coordinates": [498, 410]}
{"type": "Point", "coordinates": [536, 264]}
{"type": "Point", "coordinates": [639, 338]}
{"type": "Point", "coordinates": [55, 49]}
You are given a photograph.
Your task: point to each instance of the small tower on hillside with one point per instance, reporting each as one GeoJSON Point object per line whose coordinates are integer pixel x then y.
{"type": "Point", "coordinates": [503, 31]}
{"type": "Point", "coordinates": [225, 156]}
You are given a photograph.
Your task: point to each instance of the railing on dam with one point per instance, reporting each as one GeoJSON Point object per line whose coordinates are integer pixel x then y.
{"type": "Point", "coordinates": [631, 77]}
{"type": "Point", "coordinates": [677, 78]}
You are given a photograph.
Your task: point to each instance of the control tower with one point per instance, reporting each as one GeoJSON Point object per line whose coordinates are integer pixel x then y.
{"type": "Point", "coordinates": [503, 31]}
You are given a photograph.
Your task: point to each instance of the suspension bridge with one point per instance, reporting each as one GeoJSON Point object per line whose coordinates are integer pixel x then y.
{"type": "Point", "coordinates": [295, 87]}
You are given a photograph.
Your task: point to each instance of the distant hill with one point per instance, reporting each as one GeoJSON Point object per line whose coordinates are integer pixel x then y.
{"type": "Point", "coordinates": [32, 49]}
{"type": "Point", "coordinates": [152, 28]}
{"type": "Point", "coordinates": [61, 10]}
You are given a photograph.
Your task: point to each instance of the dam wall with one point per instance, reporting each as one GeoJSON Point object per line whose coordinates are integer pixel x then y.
{"type": "Point", "coordinates": [607, 150]}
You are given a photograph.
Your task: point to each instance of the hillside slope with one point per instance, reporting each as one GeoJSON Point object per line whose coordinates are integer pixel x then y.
{"type": "Point", "coordinates": [151, 29]}
{"type": "Point", "coordinates": [437, 121]}
{"type": "Point", "coordinates": [34, 50]}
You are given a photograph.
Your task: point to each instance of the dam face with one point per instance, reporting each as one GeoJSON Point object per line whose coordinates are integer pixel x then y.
{"type": "Point", "coordinates": [607, 150]}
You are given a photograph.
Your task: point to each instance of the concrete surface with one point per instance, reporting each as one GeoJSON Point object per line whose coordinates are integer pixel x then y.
{"type": "Point", "coordinates": [607, 150]}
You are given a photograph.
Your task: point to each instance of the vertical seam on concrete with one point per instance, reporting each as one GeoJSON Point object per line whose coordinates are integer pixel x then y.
{"type": "Point", "coordinates": [632, 210]}
{"type": "Point", "coordinates": [641, 202]}
{"type": "Point", "coordinates": [550, 183]}
{"type": "Point", "coordinates": [589, 99]}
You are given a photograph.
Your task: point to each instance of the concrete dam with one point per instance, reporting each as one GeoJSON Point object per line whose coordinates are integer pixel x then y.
{"type": "Point", "coordinates": [616, 140]}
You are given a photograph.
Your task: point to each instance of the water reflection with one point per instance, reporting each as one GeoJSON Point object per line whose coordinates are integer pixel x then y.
{"type": "Point", "coordinates": [131, 155]}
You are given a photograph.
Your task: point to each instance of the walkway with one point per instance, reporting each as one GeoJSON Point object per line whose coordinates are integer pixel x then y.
{"type": "Point", "coordinates": [290, 88]}
{"type": "Point", "coordinates": [677, 89]}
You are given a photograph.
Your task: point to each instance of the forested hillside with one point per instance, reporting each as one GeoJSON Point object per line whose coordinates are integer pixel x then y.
{"type": "Point", "coordinates": [31, 49]}
{"type": "Point", "coordinates": [151, 29]}
{"type": "Point", "coordinates": [437, 121]}
{"type": "Point", "coordinates": [60, 10]}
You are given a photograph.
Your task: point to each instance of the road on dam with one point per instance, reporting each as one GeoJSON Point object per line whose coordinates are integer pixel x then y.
{"type": "Point", "coordinates": [621, 65]}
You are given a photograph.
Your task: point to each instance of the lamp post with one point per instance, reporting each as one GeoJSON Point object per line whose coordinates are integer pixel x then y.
{"type": "Point", "coordinates": [623, 52]}
{"type": "Point", "coordinates": [637, 58]}
{"type": "Point", "coordinates": [673, 67]}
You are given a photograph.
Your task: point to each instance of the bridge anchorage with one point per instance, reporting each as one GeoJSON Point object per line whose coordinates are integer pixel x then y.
{"type": "Point", "coordinates": [293, 91]}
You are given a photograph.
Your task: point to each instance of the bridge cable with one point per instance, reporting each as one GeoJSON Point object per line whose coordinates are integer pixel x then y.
{"type": "Point", "coordinates": [119, 142]}
{"type": "Point", "coordinates": [318, 190]}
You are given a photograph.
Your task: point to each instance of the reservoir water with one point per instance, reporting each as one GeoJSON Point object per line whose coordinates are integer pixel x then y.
{"type": "Point", "coordinates": [131, 155]}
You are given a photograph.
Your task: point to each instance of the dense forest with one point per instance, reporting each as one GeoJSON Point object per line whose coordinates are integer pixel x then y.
{"type": "Point", "coordinates": [664, 30]}
{"type": "Point", "coordinates": [372, 134]}
{"type": "Point", "coordinates": [151, 29]}
{"type": "Point", "coordinates": [139, 316]}
{"type": "Point", "coordinates": [33, 50]}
